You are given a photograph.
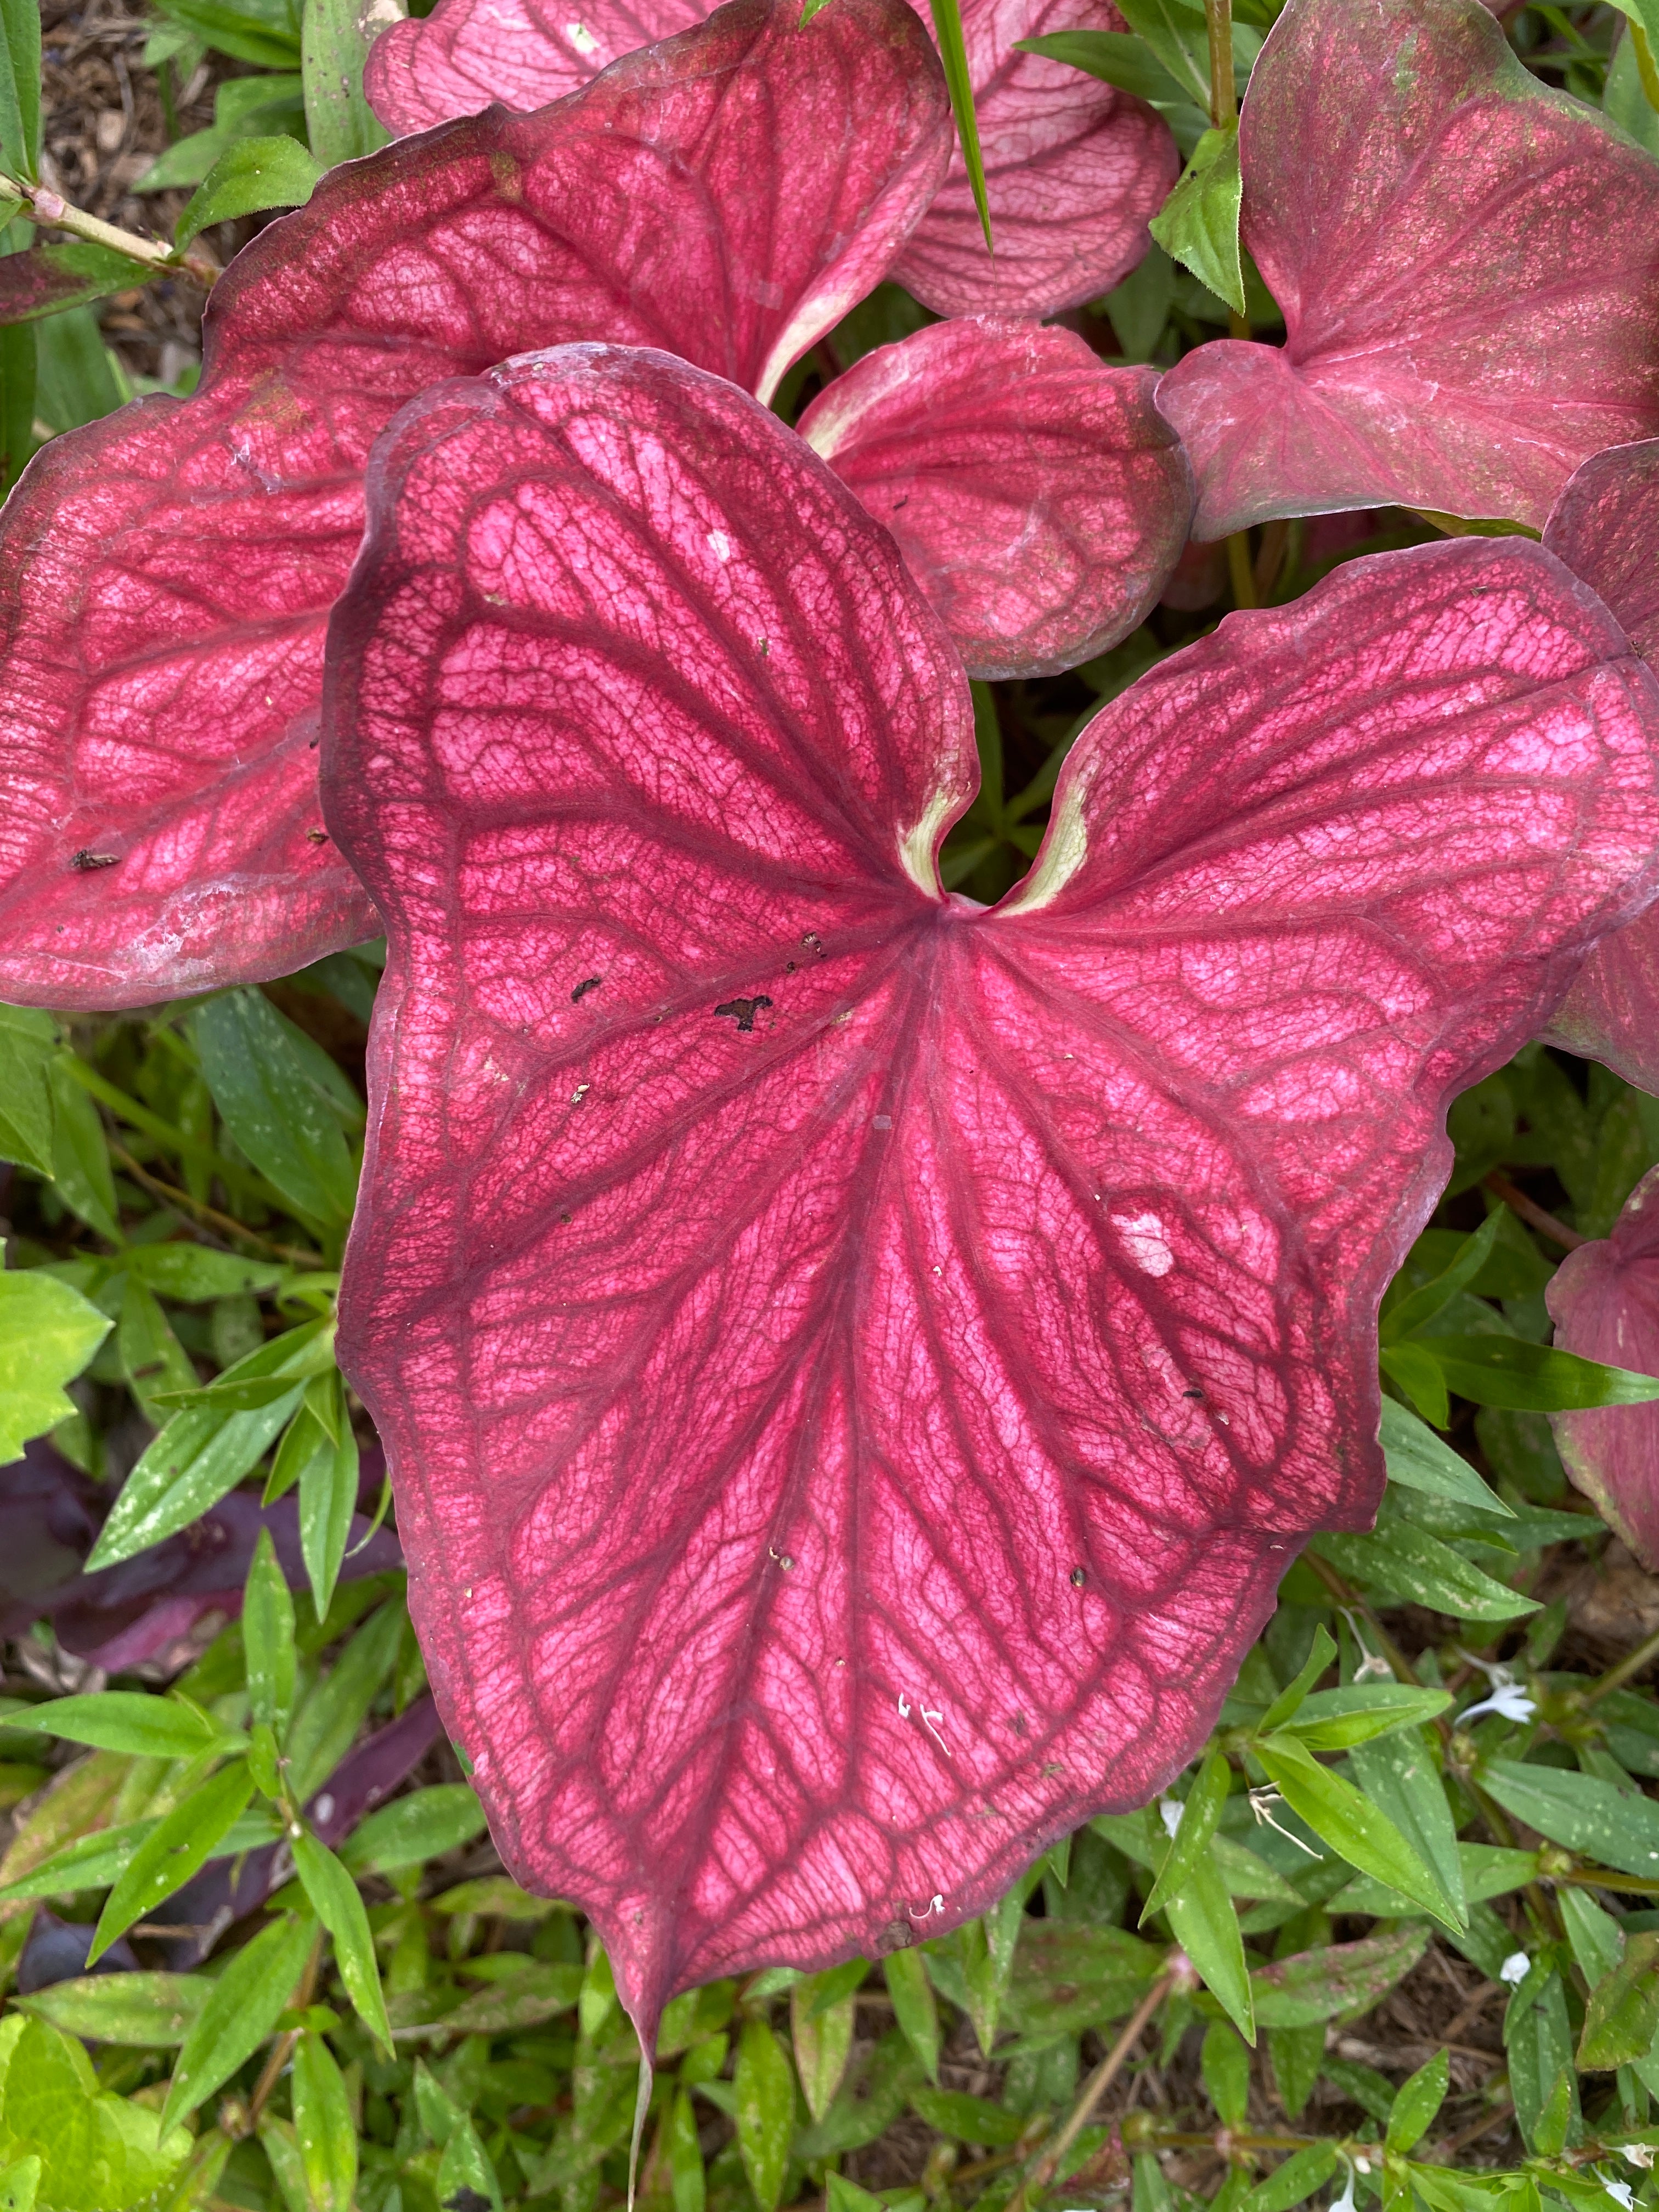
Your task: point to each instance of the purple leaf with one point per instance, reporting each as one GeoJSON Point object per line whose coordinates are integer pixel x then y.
{"type": "Point", "coordinates": [1038, 497]}
{"type": "Point", "coordinates": [468, 53]}
{"type": "Point", "coordinates": [1605, 527]}
{"type": "Point", "coordinates": [56, 1951]}
{"type": "Point", "coordinates": [1469, 264]}
{"type": "Point", "coordinates": [166, 574]}
{"type": "Point", "coordinates": [855, 1367]}
{"type": "Point", "coordinates": [1073, 168]}
{"type": "Point", "coordinates": [1604, 1301]}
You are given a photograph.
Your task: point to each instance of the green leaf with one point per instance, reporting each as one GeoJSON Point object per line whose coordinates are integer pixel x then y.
{"type": "Point", "coordinates": [765, 2113]}
{"type": "Point", "coordinates": [340, 124]}
{"type": "Point", "coordinates": [247, 1998]}
{"type": "Point", "coordinates": [1178, 37]}
{"type": "Point", "coordinates": [19, 2181]}
{"type": "Point", "coordinates": [131, 1720]}
{"type": "Point", "coordinates": [821, 2034]}
{"type": "Point", "coordinates": [915, 2006]}
{"type": "Point", "coordinates": [155, 1363]}
{"type": "Point", "coordinates": [1538, 2038]}
{"type": "Point", "coordinates": [332, 1714]}
{"type": "Point", "coordinates": [1417, 2102]}
{"type": "Point", "coordinates": [986, 1948]}
{"type": "Point", "coordinates": [1304, 2172]}
{"type": "Point", "coordinates": [328, 1498]}
{"type": "Point", "coordinates": [1421, 1306]}
{"type": "Point", "coordinates": [80, 1150]}
{"type": "Point", "coordinates": [1341, 1817]}
{"type": "Point", "coordinates": [1291, 1697]}
{"type": "Point", "coordinates": [1203, 1922]}
{"type": "Point", "coordinates": [1336, 1720]}
{"type": "Point", "coordinates": [28, 1045]}
{"type": "Point", "coordinates": [195, 1276]}
{"type": "Point", "coordinates": [147, 2011]}
{"type": "Point", "coordinates": [1199, 1818]}
{"type": "Point", "coordinates": [1507, 1371]}
{"type": "Point", "coordinates": [323, 2126]}
{"type": "Point", "coordinates": [1622, 2017]}
{"type": "Point", "coordinates": [1116, 58]}
{"type": "Point", "coordinates": [234, 33]}
{"type": "Point", "coordinates": [1577, 1811]}
{"type": "Point", "coordinates": [1339, 1978]}
{"type": "Point", "coordinates": [178, 1846]}
{"type": "Point", "coordinates": [19, 88]}
{"type": "Point", "coordinates": [687, 2182]}
{"type": "Point", "coordinates": [281, 1097]}
{"type": "Point", "coordinates": [1418, 1459]}
{"type": "Point", "coordinates": [78, 378]}
{"type": "Point", "coordinates": [268, 1639]}
{"type": "Point", "coordinates": [1224, 2063]}
{"type": "Point", "coordinates": [968, 2119]}
{"type": "Point", "coordinates": [336, 1901]}
{"type": "Point", "coordinates": [466, 2166]}
{"type": "Point", "coordinates": [206, 1450]}
{"type": "Point", "coordinates": [250, 175]}
{"type": "Point", "coordinates": [1418, 1376]}
{"type": "Point", "coordinates": [953, 52]}
{"type": "Point", "coordinates": [1198, 224]}
{"type": "Point", "coordinates": [87, 1862]}
{"type": "Point", "coordinates": [47, 1334]}
{"type": "Point", "coordinates": [17, 394]}
{"type": "Point", "coordinates": [1405, 1562]}
{"type": "Point", "coordinates": [415, 1828]}
{"type": "Point", "coordinates": [97, 2151]}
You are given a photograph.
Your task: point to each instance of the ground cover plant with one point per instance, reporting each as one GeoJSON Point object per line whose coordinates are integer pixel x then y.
{"type": "Point", "coordinates": [828, 1068]}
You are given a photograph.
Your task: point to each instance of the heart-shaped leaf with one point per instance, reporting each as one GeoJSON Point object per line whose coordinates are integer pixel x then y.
{"type": "Point", "coordinates": [1604, 1301]}
{"type": "Point", "coordinates": [1038, 497]}
{"type": "Point", "coordinates": [856, 1366]}
{"type": "Point", "coordinates": [1605, 527]}
{"type": "Point", "coordinates": [166, 574]}
{"type": "Point", "coordinates": [1073, 168]}
{"type": "Point", "coordinates": [1469, 264]}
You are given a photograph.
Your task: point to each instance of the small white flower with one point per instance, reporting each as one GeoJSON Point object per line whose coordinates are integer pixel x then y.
{"type": "Point", "coordinates": [1509, 1699]}
{"type": "Point", "coordinates": [1620, 2191]}
{"type": "Point", "coordinates": [1514, 1969]}
{"type": "Point", "coordinates": [1169, 1811]}
{"type": "Point", "coordinates": [1638, 2154]}
{"type": "Point", "coordinates": [1345, 2202]}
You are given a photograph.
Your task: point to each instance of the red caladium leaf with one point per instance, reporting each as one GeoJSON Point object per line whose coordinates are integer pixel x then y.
{"type": "Point", "coordinates": [166, 574]}
{"type": "Point", "coordinates": [1073, 169]}
{"type": "Point", "coordinates": [1038, 497]}
{"type": "Point", "coordinates": [468, 53]}
{"type": "Point", "coordinates": [1604, 1301]}
{"type": "Point", "coordinates": [1469, 264]}
{"type": "Point", "coordinates": [1606, 527]}
{"type": "Point", "coordinates": [854, 1367]}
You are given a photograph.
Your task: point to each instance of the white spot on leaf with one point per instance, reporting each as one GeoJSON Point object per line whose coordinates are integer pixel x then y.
{"type": "Point", "coordinates": [1145, 1240]}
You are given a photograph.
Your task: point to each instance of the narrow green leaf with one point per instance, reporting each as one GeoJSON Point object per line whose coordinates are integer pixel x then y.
{"type": "Point", "coordinates": [47, 1334]}
{"type": "Point", "coordinates": [332, 1714]}
{"type": "Point", "coordinates": [328, 1498]}
{"type": "Point", "coordinates": [1291, 1697]}
{"type": "Point", "coordinates": [229, 32]}
{"type": "Point", "coordinates": [687, 2181]}
{"type": "Point", "coordinates": [156, 1364]}
{"type": "Point", "coordinates": [179, 1845]}
{"type": "Point", "coordinates": [334, 45]}
{"type": "Point", "coordinates": [1577, 1811]}
{"type": "Point", "coordinates": [131, 1720]}
{"type": "Point", "coordinates": [1408, 1563]}
{"type": "Point", "coordinates": [1199, 1818]}
{"type": "Point", "coordinates": [247, 1998]}
{"type": "Point", "coordinates": [91, 1862]}
{"type": "Point", "coordinates": [1418, 2100]}
{"type": "Point", "coordinates": [77, 379]}
{"type": "Point", "coordinates": [953, 52]}
{"type": "Point", "coordinates": [1302, 2171]}
{"type": "Point", "coordinates": [1417, 1373]}
{"type": "Point", "coordinates": [1421, 1305]}
{"type": "Point", "coordinates": [145, 2011]}
{"type": "Point", "coordinates": [1341, 1817]}
{"type": "Point", "coordinates": [1179, 38]}
{"type": "Point", "coordinates": [1198, 224]}
{"type": "Point", "coordinates": [414, 1829]}
{"type": "Point", "coordinates": [19, 88]}
{"type": "Point", "coordinates": [268, 1639]}
{"type": "Point", "coordinates": [323, 2126]}
{"type": "Point", "coordinates": [1336, 1720]}
{"type": "Point", "coordinates": [194, 1276]}
{"type": "Point", "coordinates": [465, 2171]}
{"type": "Point", "coordinates": [335, 1899]}
{"type": "Point", "coordinates": [1622, 2017]}
{"type": "Point", "coordinates": [17, 387]}
{"type": "Point", "coordinates": [282, 1099]}
{"type": "Point", "coordinates": [765, 2115]}
{"type": "Point", "coordinates": [915, 2006]}
{"type": "Point", "coordinates": [1316, 1986]}
{"type": "Point", "coordinates": [822, 2037]}
{"type": "Point", "coordinates": [1418, 1459]}
{"type": "Point", "coordinates": [1538, 1378]}
{"type": "Point", "coordinates": [1224, 2063]}
{"type": "Point", "coordinates": [28, 1045]}
{"type": "Point", "coordinates": [1203, 1922]}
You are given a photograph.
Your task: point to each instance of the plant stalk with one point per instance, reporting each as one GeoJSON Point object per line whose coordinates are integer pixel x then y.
{"type": "Point", "coordinates": [52, 212]}
{"type": "Point", "coordinates": [1534, 1215]}
{"type": "Point", "coordinates": [1631, 1663]}
{"type": "Point", "coordinates": [1093, 2090]}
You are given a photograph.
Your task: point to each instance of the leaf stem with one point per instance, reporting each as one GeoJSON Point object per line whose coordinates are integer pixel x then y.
{"type": "Point", "coordinates": [1093, 2090]}
{"type": "Point", "coordinates": [1631, 1663]}
{"type": "Point", "coordinates": [51, 211]}
{"type": "Point", "coordinates": [283, 2050]}
{"type": "Point", "coordinates": [206, 1214]}
{"type": "Point", "coordinates": [1534, 1215]}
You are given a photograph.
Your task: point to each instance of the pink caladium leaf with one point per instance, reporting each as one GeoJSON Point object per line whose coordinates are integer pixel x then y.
{"type": "Point", "coordinates": [1469, 264]}
{"type": "Point", "coordinates": [854, 1365]}
{"type": "Point", "coordinates": [524, 53]}
{"type": "Point", "coordinates": [166, 574]}
{"type": "Point", "coordinates": [1073, 169]}
{"type": "Point", "coordinates": [1037, 497]}
{"type": "Point", "coordinates": [1604, 1301]}
{"type": "Point", "coordinates": [1606, 527]}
